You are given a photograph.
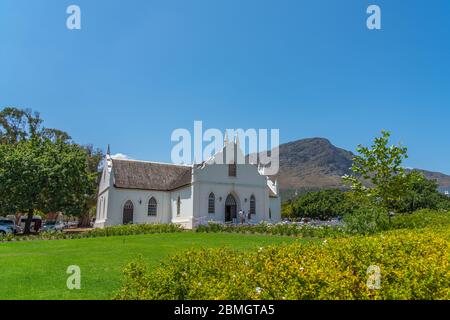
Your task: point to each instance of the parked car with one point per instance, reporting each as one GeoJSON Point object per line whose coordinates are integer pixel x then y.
{"type": "Point", "coordinates": [53, 226]}
{"type": "Point", "coordinates": [36, 223]}
{"type": "Point", "coordinates": [5, 230]}
{"type": "Point", "coordinates": [72, 224]}
{"type": "Point", "coordinates": [9, 224]}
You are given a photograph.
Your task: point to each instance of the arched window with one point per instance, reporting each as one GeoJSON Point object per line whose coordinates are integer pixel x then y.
{"type": "Point", "coordinates": [252, 205]}
{"type": "Point", "coordinates": [211, 203]}
{"type": "Point", "coordinates": [152, 207]}
{"type": "Point", "coordinates": [270, 213]}
{"type": "Point", "coordinates": [178, 206]}
{"type": "Point", "coordinates": [128, 210]}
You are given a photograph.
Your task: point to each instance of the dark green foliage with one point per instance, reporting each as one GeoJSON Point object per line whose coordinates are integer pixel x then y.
{"type": "Point", "coordinates": [281, 229]}
{"type": "Point", "coordinates": [421, 193]}
{"type": "Point", "coordinates": [43, 169]}
{"type": "Point", "coordinates": [421, 219]}
{"type": "Point", "coordinates": [367, 221]}
{"type": "Point", "coordinates": [44, 175]}
{"type": "Point", "coordinates": [323, 205]}
{"type": "Point", "coordinates": [127, 230]}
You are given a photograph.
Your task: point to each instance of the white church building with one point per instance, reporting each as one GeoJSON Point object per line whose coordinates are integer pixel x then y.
{"type": "Point", "coordinates": [133, 191]}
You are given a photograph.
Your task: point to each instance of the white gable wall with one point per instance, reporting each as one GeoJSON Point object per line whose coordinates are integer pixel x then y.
{"type": "Point", "coordinates": [103, 197]}
{"type": "Point", "coordinates": [215, 179]}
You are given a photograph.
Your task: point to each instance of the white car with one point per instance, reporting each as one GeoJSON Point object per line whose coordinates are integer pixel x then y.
{"type": "Point", "coordinates": [5, 230]}
{"type": "Point", "coordinates": [9, 223]}
{"type": "Point", "coordinates": [53, 226]}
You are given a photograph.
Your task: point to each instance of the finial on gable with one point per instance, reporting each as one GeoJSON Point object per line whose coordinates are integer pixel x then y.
{"type": "Point", "coordinates": [236, 140]}
{"type": "Point", "coordinates": [108, 151]}
{"type": "Point", "coordinates": [225, 140]}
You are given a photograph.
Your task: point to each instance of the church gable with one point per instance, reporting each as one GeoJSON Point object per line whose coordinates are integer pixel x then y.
{"type": "Point", "coordinates": [231, 166]}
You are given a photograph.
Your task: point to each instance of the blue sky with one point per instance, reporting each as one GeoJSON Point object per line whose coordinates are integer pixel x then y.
{"type": "Point", "coordinates": [140, 69]}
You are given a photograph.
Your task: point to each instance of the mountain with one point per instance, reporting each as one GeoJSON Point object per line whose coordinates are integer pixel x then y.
{"type": "Point", "coordinates": [312, 164]}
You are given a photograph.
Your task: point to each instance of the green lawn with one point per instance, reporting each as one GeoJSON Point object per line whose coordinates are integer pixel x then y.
{"type": "Point", "coordinates": [37, 269]}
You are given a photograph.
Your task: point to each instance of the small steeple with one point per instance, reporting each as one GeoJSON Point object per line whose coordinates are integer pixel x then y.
{"type": "Point", "coordinates": [108, 158]}
{"type": "Point", "coordinates": [225, 141]}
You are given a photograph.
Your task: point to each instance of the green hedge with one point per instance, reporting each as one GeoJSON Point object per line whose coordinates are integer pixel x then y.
{"type": "Point", "coordinates": [365, 221]}
{"type": "Point", "coordinates": [132, 229]}
{"type": "Point", "coordinates": [361, 222]}
{"type": "Point", "coordinates": [281, 229]}
{"type": "Point", "coordinates": [413, 264]}
{"type": "Point", "coordinates": [421, 219]}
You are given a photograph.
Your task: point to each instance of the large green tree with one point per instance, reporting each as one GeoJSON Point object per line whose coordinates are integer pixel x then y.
{"type": "Point", "coordinates": [421, 193]}
{"type": "Point", "coordinates": [43, 169]}
{"type": "Point", "coordinates": [380, 179]}
{"type": "Point", "coordinates": [46, 176]}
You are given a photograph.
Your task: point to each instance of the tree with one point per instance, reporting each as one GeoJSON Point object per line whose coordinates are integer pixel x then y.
{"type": "Point", "coordinates": [390, 186]}
{"type": "Point", "coordinates": [21, 179]}
{"type": "Point", "coordinates": [421, 193]}
{"type": "Point", "coordinates": [94, 159]}
{"type": "Point", "coordinates": [380, 165]}
{"type": "Point", "coordinates": [43, 169]}
{"type": "Point", "coordinates": [44, 175]}
{"type": "Point", "coordinates": [287, 210]}
{"type": "Point", "coordinates": [324, 204]}
{"type": "Point", "coordinates": [18, 125]}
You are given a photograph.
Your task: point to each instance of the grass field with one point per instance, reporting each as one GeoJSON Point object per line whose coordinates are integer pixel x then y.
{"type": "Point", "coordinates": [37, 269]}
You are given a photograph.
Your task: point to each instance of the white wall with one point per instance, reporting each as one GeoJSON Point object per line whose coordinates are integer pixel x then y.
{"type": "Point", "coordinates": [118, 198]}
{"type": "Point", "coordinates": [186, 207]}
{"type": "Point", "coordinates": [103, 196]}
{"type": "Point", "coordinates": [275, 206]}
{"type": "Point", "coordinates": [102, 209]}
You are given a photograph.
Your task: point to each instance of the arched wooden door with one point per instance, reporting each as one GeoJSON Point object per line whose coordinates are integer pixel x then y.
{"type": "Point", "coordinates": [128, 210]}
{"type": "Point", "coordinates": [230, 208]}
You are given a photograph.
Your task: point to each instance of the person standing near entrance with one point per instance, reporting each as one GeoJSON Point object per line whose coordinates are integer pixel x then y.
{"type": "Point", "coordinates": [241, 216]}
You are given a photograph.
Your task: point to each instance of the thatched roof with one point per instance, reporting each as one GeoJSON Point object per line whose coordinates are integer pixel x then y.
{"type": "Point", "coordinates": [129, 174]}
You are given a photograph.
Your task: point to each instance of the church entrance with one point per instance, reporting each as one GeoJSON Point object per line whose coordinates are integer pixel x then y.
{"type": "Point", "coordinates": [230, 209]}
{"type": "Point", "coordinates": [128, 210]}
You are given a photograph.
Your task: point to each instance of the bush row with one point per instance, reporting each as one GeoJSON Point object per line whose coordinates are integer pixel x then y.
{"type": "Point", "coordinates": [361, 222]}
{"type": "Point", "coordinates": [281, 229]}
{"type": "Point", "coordinates": [412, 265]}
{"type": "Point", "coordinates": [132, 229]}
{"type": "Point", "coordinates": [365, 221]}
{"type": "Point", "coordinates": [421, 219]}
